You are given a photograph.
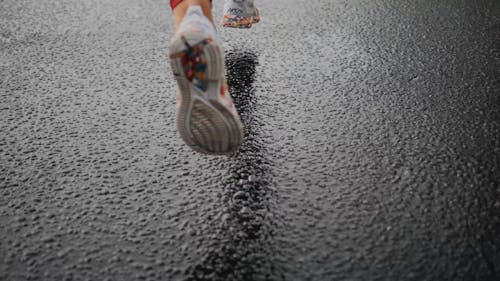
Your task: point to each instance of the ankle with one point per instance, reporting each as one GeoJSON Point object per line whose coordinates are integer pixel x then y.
{"type": "Point", "coordinates": [180, 10]}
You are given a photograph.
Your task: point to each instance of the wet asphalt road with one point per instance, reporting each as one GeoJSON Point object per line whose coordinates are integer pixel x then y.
{"type": "Point", "coordinates": [372, 147]}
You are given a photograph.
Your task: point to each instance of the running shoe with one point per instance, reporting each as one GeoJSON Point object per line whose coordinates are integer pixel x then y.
{"type": "Point", "coordinates": [240, 14]}
{"type": "Point", "coordinates": [206, 118]}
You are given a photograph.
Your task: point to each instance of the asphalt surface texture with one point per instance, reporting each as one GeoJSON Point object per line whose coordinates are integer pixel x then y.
{"type": "Point", "coordinates": [372, 145]}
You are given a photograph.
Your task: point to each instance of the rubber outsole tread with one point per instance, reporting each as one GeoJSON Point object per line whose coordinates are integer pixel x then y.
{"type": "Point", "coordinates": [203, 122]}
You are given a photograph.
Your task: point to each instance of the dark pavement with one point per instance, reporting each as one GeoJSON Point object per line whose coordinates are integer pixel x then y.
{"type": "Point", "coordinates": [372, 147]}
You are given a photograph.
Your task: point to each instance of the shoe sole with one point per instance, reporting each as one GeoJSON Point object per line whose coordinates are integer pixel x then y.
{"type": "Point", "coordinates": [243, 23]}
{"type": "Point", "coordinates": [203, 122]}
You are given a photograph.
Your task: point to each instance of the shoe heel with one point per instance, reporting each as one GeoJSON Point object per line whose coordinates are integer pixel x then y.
{"type": "Point", "coordinates": [210, 52]}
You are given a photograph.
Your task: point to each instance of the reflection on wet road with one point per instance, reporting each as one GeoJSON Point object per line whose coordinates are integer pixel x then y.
{"type": "Point", "coordinates": [242, 249]}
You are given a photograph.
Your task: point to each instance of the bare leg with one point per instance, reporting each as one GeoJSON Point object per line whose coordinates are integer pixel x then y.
{"type": "Point", "coordinates": [181, 9]}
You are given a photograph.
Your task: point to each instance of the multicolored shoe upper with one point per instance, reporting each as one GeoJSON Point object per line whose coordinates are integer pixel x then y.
{"type": "Point", "coordinates": [194, 63]}
{"type": "Point", "coordinates": [240, 14]}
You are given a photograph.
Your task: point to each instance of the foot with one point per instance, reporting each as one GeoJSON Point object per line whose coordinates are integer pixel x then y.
{"type": "Point", "coordinates": [206, 119]}
{"type": "Point", "coordinates": [240, 14]}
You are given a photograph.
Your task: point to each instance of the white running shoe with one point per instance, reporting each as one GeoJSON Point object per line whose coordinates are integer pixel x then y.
{"type": "Point", "coordinates": [206, 119]}
{"type": "Point", "coordinates": [240, 14]}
